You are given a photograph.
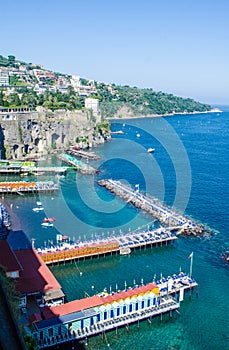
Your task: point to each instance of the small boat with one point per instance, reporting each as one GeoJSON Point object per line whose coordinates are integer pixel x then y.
{"type": "Point", "coordinates": [138, 135]}
{"type": "Point", "coordinates": [150, 150]}
{"type": "Point", "coordinates": [36, 210]}
{"type": "Point", "coordinates": [119, 132]}
{"type": "Point", "coordinates": [47, 224]}
{"type": "Point", "coordinates": [125, 251]}
{"type": "Point", "coordinates": [39, 203]}
{"type": "Point", "coordinates": [49, 219]}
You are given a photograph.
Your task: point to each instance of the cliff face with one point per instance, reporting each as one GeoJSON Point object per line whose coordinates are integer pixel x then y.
{"type": "Point", "coordinates": [50, 131]}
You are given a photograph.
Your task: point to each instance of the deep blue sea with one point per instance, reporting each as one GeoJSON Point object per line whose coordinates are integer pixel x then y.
{"type": "Point", "coordinates": [188, 170]}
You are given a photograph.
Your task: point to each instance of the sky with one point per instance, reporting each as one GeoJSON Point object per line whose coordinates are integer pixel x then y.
{"type": "Point", "coordinates": [175, 46]}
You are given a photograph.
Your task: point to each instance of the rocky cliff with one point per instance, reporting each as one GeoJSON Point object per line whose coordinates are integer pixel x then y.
{"type": "Point", "coordinates": [48, 132]}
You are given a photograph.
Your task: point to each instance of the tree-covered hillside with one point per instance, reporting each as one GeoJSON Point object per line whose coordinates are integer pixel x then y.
{"type": "Point", "coordinates": [145, 101]}
{"type": "Point", "coordinates": [34, 86]}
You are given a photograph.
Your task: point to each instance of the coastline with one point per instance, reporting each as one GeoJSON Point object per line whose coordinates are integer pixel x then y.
{"type": "Point", "coordinates": [213, 110]}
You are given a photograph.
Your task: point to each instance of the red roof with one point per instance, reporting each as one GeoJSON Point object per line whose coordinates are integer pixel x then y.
{"type": "Point", "coordinates": [86, 303]}
{"type": "Point", "coordinates": [74, 306]}
{"type": "Point", "coordinates": [36, 276]}
{"type": "Point", "coordinates": [7, 257]}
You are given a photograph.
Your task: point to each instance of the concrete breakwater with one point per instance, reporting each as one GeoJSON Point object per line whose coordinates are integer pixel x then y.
{"type": "Point", "coordinates": [164, 214]}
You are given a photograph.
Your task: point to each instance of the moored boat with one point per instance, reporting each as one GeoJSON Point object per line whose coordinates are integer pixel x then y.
{"type": "Point", "coordinates": [150, 150]}
{"type": "Point", "coordinates": [49, 219]}
{"type": "Point", "coordinates": [38, 209]}
{"type": "Point", "coordinates": [47, 224]}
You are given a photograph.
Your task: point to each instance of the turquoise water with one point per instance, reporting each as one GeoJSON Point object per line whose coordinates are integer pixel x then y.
{"type": "Point", "coordinates": [189, 169]}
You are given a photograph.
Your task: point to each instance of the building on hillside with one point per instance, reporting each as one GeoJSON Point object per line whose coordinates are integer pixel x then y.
{"type": "Point", "coordinates": [4, 77]}
{"type": "Point", "coordinates": [92, 104]}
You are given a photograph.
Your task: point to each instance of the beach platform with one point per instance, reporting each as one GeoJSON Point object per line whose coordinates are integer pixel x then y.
{"type": "Point", "coordinates": [64, 252]}
{"type": "Point", "coordinates": [21, 187]}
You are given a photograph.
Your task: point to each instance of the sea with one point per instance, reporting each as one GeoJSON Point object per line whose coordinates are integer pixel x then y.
{"type": "Point", "coordinates": [189, 170]}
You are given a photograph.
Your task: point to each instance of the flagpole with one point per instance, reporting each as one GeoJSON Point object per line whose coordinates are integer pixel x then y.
{"type": "Point", "coordinates": [191, 264]}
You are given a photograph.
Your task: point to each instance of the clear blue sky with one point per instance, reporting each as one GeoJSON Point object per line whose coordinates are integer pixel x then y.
{"type": "Point", "coordinates": [175, 46]}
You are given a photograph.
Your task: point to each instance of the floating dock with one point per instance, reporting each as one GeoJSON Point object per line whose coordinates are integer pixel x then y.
{"type": "Point", "coordinates": [152, 206]}
{"type": "Point", "coordinates": [89, 249]}
{"type": "Point", "coordinates": [19, 187]}
{"type": "Point", "coordinates": [78, 165]}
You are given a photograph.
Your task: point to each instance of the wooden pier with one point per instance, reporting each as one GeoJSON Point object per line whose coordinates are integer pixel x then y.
{"type": "Point", "coordinates": [32, 170]}
{"type": "Point", "coordinates": [163, 303]}
{"type": "Point", "coordinates": [82, 154]}
{"type": "Point", "coordinates": [21, 187]}
{"type": "Point", "coordinates": [78, 165]}
{"type": "Point", "coordinates": [160, 211]}
{"type": "Point", "coordinates": [167, 305]}
{"type": "Point", "coordinates": [89, 249]}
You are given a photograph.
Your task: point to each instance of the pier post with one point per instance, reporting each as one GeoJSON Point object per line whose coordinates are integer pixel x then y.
{"type": "Point", "coordinates": [138, 323]}
{"type": "Point", "coordinates": [116, 330]}
{"type": "Point", "coordinates": [171, 313]}
{"type": "Point", "coordinates": [161, 317]}
{"type": "Point", "coordinates": [127, 328]}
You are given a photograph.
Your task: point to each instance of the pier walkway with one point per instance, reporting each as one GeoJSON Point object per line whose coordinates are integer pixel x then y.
{"type": "Point", "coordinates": [78, 165]}
{"type": "Point", "coordinates": [154, 207]}
{"type": "Point", "coordinates": [19, 187]}
{"type": "Point", "coordinates": [81, 250]}
{"type": "Point", "coordinates": [167, 305]}
{"type": "Point", "coordinates": [33, 170]}
{"type": "Point", "coordinates": [82, 154]}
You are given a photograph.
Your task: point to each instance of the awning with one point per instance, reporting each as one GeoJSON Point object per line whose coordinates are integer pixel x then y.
{"type": "Point", "coordinates": [53, 295]}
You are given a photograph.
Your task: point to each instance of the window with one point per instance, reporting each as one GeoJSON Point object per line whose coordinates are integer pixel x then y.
{"type": "Point", "coordinates": [50, 332]}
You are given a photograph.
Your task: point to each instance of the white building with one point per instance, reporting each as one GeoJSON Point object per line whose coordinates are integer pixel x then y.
{"type": "Point", "coordinates": [93, 105]}
{"type": "Point", "coordinates": [4, 77]}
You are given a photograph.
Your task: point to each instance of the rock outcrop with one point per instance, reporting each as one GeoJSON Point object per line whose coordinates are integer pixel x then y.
{"type": "Point", "coordinates": [49, 132]}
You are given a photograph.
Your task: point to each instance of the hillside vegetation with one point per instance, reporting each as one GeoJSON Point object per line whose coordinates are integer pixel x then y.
{"type": "Point", "coordinates": [31, 85]}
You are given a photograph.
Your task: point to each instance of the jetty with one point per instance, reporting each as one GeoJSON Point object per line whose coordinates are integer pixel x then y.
{"type": "Point", "coordinates": [28, 167]}
{"type": "Point", "coordinates": [164, 214]}
{"type": "Point", "coordinates": [78, 165]}
{"type": "Point", "coordinates": [103, 312]}
{"type": "Point", "coordinates": [71, 251]}
{"type": "Point", "coordinates": [21, 187]}
{"type": "Point", "coordinates": [77, 152]}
